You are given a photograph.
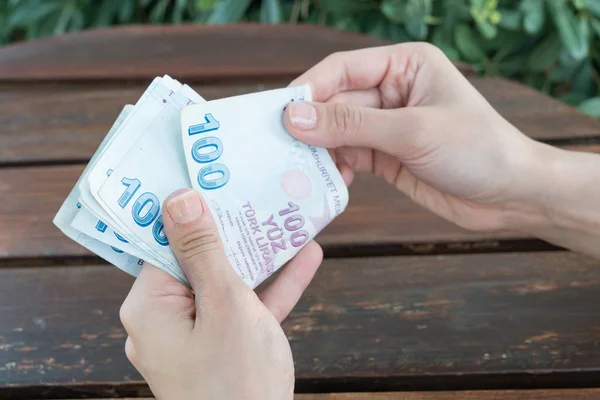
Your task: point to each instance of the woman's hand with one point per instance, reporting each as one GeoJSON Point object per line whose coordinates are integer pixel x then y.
{"type": "Point", "coordinates": [404, 112]}
{"type": "Point", "coordinates": [407, 114]}
{"type": "Point", "coordinates": [225, 342]}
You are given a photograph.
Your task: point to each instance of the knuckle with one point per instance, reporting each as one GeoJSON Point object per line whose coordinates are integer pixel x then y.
{"type": "Point", "coordinates": [198, 242]}
{"type": "Point", "coordinates": [346, 119]}
{"type": "Point", "coordinates": [130, 352]}
{"type": "Point", "coordinates": [336, 56]}
{"type": "Point", "coordinates": [431, 50]}
{"type": "Point", "coordinates": [126, 314]}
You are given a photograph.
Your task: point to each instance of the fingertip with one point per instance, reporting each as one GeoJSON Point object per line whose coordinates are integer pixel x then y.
{"type": "Point", "coordinates": [347, 174]}
{"type": "Point", "coordinates": [314, 252]}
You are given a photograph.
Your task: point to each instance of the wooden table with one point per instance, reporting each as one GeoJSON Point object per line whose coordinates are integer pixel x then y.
{"type": "Point", "coordinates": [405, 302]}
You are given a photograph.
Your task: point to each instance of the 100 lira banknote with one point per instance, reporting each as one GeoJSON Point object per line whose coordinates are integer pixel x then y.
{"type": "Point", "coordinates": [269, 193]}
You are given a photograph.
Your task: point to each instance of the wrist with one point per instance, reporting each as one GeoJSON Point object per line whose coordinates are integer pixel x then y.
{"type": "Point", "coordinates": [560, 198]}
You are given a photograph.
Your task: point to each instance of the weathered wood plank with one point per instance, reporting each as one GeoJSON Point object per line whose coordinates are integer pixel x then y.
{"type": "Point", "coordinates": [573, 394]}
{"type": "Point", "coordinates": [183, 51]}
{"type": "Point", "coordinates": [378, 215]}
{"type": "Point", "coordinates": [387, 323]}
{"type": "Point", "coordinates": [378, 220]}
{"type": "Point", "coordinates": [66, 122]}
{"type": "Point", "coordinates": [56, 122]}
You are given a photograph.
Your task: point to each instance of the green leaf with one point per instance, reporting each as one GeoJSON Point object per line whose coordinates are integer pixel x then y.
{"type": "Point", "coordinates": [346, 7]}
{"type": "Point", "coordinates": [513, 65]}
{"type": "Point", "coordinates": [592, 6]}
{"type": "Point", "coordinates": [545, 54]}
{"type": "Point", "coordinates": [204, 5]}
{"type": "Point", "coordinates": [157, 15]}
{"type": "Point", "coordinates": [454, 12]}
{"type": "Point", "coordinates": [393, 10]}
{"type": "Point", "coordinates": [596, 26]}
{"type": "Point", "coordinates": [63, 20]}
{"type": "Point", "coordinates": [583, 79]}
{"type": "Point", "coordinates": [536, 81]}
{"type": "Point", "coordinates": [574, 32]}
{"type": "Point", "coordinates": [489, 31]}
{"type": "Point", "coordinates": [145, 3]}
{"type": "Point", "coordinates": [252, 14]}
{"type": "Point", "coordinates": [105, 14]}
{"type": "Point", "coordinates": [591, 107]}
{"type": "Point", "coordinates": [77, 20]}
{"type": "Point", "coordinates": [572, 98]}
{"type": "Point", "coordinates": [348, 24]}
{"type": "Point", "coordinates": [441, 40]}
{"type": "Point", "coordinates": [563, 72]}
{"type": "Point", "coordinates": [510, 19]}
{"type": "Point", "coordinates": [379, 28]}
{"type": "Point", "coordinates": [32, 12]}
{"type": "Point", "coordinates": [46, 26]}
{"type": "Point", "coordinates": [270, 11]}
{"type": "Point", "coordinates": [378, 25]}
{"type": "Point", "coordinates": [126, 10]}
{"type": "Point", "coordinates": [178, 11]}
{"type": "Point", "coordinates": [411, 13]}
{"type": "Point", "coordinates": [534, 15]}
{"type": "Point", "coordinates": [468, 44]}
{"type": "Point", "coordinates": [397, 34]}
{"type": "Point", "coordinates": [226, 11]}
{"type": "Point", "coordinates": [415, 13]}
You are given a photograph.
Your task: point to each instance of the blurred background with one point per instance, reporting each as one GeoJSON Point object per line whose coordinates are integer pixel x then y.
{"type": "Point", "coordinates": [551, 45]}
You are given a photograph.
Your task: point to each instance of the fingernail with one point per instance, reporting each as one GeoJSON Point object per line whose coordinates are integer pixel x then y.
{"type": "Point", "coordinates": [303, 115]}
{"type": "Point", "coordinates": [185, 207]}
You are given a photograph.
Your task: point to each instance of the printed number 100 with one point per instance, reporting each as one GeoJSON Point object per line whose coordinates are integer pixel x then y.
{"type": "Point", "coordinates": [213, 175]}
{"type": "Point", "coordinates": [145, 210]}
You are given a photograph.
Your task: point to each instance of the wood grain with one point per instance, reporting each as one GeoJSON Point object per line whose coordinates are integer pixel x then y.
{"type": "Point", "coordinates": [378, 220]}
{"type": "Point", "coordinates": [574, 394]}
{"type": "Point", "coordinates": [378, 215]}
{"type": "Point", "coordinates": [184, 52]}
{"type": "Point", "coordinates": [385, 323]}
{"type": "Point", "coordinates": [190, 52]}
{"type": "Point", "coordinates": [66, 122]}
{"type": "Point", "coordinates": [577, 394]}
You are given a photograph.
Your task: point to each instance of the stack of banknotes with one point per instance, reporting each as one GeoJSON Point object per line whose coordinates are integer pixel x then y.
{"type": "Point", "coordinates": [269, 193]}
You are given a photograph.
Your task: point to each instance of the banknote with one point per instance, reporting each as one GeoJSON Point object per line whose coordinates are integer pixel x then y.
{"type": "Point", "coordinates": [153, 168]}
{"type": "Point", "coordinates": [142, 116]}
{"type": "Point", "coordinates": [83, 220]}
{"type": "Point", "coordinates": [269, 193]}
{"type": "Point", "coordinates": [101, 166]}
{"type": "Point", "coordinates": [69, 209]}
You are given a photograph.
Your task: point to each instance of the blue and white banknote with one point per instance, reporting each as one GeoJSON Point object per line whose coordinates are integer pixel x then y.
{"type": "Point", "coordinates": [269, 193]}
{"type": "Point", "coordinates": [71, 206]}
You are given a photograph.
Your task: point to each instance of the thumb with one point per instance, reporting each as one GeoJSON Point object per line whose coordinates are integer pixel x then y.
{"type": "Point", "coordinates": [195, 240]}
{"type": "Point", "coordinates": [334, 125]}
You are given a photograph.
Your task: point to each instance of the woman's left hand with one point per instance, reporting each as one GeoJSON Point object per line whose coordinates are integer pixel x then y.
{"type": "Point", "coordinates": [225, 342]}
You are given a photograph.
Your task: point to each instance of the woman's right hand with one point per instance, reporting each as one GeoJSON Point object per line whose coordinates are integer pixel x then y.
{"type": "Point", "coordinates": [406, 113]}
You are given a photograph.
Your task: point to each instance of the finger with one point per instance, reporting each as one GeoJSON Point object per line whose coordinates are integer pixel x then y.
{"type": "Point", "coordinates": [344, 71]}
{"type": "Point", "coordinates": [335, 125]}
{"type": "Point", "coordinates": [195, 241]}
{"type": "Point", "coordinates": [347, 173]}
{"type": "Point", "coordinates": [364, 98]}
{"type": "Point", "coordinates": [155, 297]}
{"type": "Point", "coordinates": [343, 166]}
{"type": "Point", "coordinates": [285, 291]}
{"type": "Point", "coordinates": [394, 69]}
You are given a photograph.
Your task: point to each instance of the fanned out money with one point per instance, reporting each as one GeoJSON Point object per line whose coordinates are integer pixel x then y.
{"type": "Point", "coordinates": [269, 193]}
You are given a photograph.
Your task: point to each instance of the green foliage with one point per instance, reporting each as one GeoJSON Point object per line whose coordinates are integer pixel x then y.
{"type": "Point", "coordinates": [552, 45]}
